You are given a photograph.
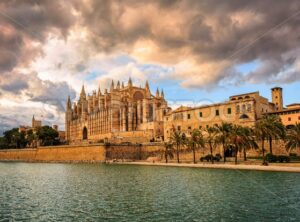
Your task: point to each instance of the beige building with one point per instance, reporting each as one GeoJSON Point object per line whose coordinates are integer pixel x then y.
{"type": "Point", "coordinates": [122, 114]}
{"type": "Point", "coordinates": [243, 109]}
{"type": "Point", "coordinates": [289, 115]}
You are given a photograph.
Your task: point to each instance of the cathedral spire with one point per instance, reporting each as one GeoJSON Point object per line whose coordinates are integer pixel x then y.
{"type": "Point", "coordinates": [157, 93]}
{"type": "Point", "coordinates": [118, 85]}
{"type": "Point", "coordinates": [33, 118]}
{"type": "Point", "coordinates": [147, 86]}
{"type": "Point", "coordinates": [82, 94]}
{"type": "Point", "coordinates": [122, 85]}
{"type": "Point", "coordinates": [99, 91]}
{"type": "Point", "coordinates": [69, 105]}
{"type": "Point", "coordinates": [162, 94]}
{"type": "Point", "coordinates": [130, 82]}
{"type": "Point", "coordinates": [112, 86]}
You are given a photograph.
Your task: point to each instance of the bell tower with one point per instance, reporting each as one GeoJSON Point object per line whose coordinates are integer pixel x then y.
{"type": "Point", "coordinates": [277, 98]}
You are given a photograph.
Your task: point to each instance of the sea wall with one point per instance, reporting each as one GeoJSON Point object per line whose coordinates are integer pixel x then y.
{"type": "Point", "coordinates": [101, 153]}
{"type": "Point", "coordinates": [87, 153]}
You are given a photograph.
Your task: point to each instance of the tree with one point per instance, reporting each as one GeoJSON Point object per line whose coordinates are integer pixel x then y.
{"type": "Point", "coordinates": [169, 151]}
{"type": "Point", "coordinates": [195, 142]}
{"type": "Point", "coordinates": [3, 143]}
{"type": "Point", "coordinates": [178, 138]}
{"type": "Point", "coordinates": [47, 135]}
{"type": "Point", "coordinates": [235, 138]}
{"type": "Point", "coordinates": [293, 138]}
{"type": "Point", "coordinates": [211, 138]}
{"type": "Point", "coordinates": [15, 139]}
{"type": "Point", "coordinates": [274, 129]}
{"type": "Point", "coordinates": [247, 140]}
{"type": "Point", "coordinates": [223, 134]}
{"type": "Point", "coordinates": [30, 135]}
{"type": "Point", "coordinates": [261, 132]}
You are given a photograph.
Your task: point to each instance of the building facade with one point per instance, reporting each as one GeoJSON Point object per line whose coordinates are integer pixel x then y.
{"type": "Point", "coordinates": [243, 109]}
{"type": "Point", "coordinates": [122, 114]}
{"type": "Point", "coordinates": [133, 114]}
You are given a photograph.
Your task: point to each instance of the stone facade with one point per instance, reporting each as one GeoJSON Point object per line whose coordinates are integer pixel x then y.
{"type": "Point", "coordinates": [124, 113]}
{"type": "Point", "coordinates": [132, 114]}
{"type": "Point", "coordinates": [244, 109]}
{"type": "Point", "coordinates": [290, 115]}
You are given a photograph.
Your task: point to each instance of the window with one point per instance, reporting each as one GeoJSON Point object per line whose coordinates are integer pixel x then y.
{"type": "Point", "coordinates": [298, 117]}
{"type": "Point", "coordinates": [200, 114]}
{"type": "Point", "coordinates": [229, 110]}
{"type": "Point", "coordinates": [237, 109]}
{"type": "Point", "coordinates": [189, 116]}
{"type": "Point", "coordinates": [217, 112]}
{"type": "Point", "coordinates": [243, 108]}
{"type": "Point", "coordinates": [289, 119]}
{"type": "Point", "coordinates": [189, 128]}
{"type": "Point", "coordinates": [178, 128]}
{"type": "Point", "coordinates": [249, 107]}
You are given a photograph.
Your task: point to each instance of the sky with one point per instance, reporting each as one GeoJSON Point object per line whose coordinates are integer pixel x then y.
{"type": "Point", "coordinates": [196, 51]}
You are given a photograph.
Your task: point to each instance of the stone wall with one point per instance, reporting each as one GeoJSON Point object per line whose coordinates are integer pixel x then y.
{"type": "Point", "coordinates": [89, 153]}
{"type": "Point", "coordinates": [101, 153]}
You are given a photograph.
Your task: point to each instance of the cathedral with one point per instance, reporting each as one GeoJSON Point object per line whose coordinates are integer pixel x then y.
{"type": "Point", "coordinates": [122, 114]}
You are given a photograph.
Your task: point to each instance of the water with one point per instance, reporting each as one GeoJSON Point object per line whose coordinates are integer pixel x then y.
{"type": "Point", "coordinates": [96, 192]}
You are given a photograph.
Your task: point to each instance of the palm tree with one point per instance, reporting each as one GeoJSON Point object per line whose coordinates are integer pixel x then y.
{"type": "Point", "coordinates": [169, 150]}
{"type": "Point", "coordinates": [261, 131]}
{"type": "Point", "coordinates": [178, 138]}
{"type": "Point", "coordinates": [196, 141]}
{"type": "Point", "coordinates": [235, 138]}
{"type": "Point", "coordinates": [274, 128]}
{"type": "Point", "coordinates": [223, 134]}
{"type": "Point", "coordinates": [293, 138]}
{"type": "Point", "coordinates": [211, 139]}
{"type": "Point", "coordinates": [247, 141]}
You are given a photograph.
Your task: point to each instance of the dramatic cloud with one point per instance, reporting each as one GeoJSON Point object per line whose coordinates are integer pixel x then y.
{"type": "Point", "coordinates": [50, 48]}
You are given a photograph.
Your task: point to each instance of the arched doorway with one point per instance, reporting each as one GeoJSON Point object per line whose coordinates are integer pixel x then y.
{"type": "Point", "coordinates": [84, 133]}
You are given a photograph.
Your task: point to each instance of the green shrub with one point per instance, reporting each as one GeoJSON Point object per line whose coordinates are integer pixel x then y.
{"type": "Point", "coordinates": [282, 159]}
{"type": "Point", "coordinates": [208, 157]}
{"type": "Point", "coordinates": [218, 157]}
{"type": "Point", "coordinates": [271, 158]}
{"type": "Point", "coordinates": [293, 155]}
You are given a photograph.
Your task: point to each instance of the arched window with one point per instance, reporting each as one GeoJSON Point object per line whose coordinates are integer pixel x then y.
{"type": "Point", "coordinates": [249, 107]}
{"type": "Point", "coordinates": [238, 109]}
{"type": "Point", "coordinates": [244, 116]}
{"type": "Point", "coordinates": [244, 108]}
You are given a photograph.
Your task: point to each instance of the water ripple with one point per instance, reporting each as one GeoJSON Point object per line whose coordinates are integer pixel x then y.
{"type": "Point", "coordinates": [83, 192]}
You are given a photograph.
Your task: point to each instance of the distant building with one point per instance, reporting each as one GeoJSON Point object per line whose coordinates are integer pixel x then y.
{"type": "Point", "coordinates": [34, 125]}
{"type": "Point", "coordinates": [61, 134]}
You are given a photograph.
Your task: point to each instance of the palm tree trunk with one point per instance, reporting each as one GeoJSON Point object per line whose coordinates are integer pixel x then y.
{"type": "Point", "coordinates": [271, 145]}
{"type": "Point", "coordinates": [211, 154]}
{"type": "Point", "coordinates": [245, 154]}
{"type": "Point", "coordinates": [263, 150]}
{"type": "Point", "coordinates": [236, 155]}
{"type": "Point", "coordinates": [166, 156]}
{"type": "Point", "coordinates": [194, 154]}
{"type": "Point", "coordinates": [177, 152]}
{"type": "Point", "coordinates": [224, 156]}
